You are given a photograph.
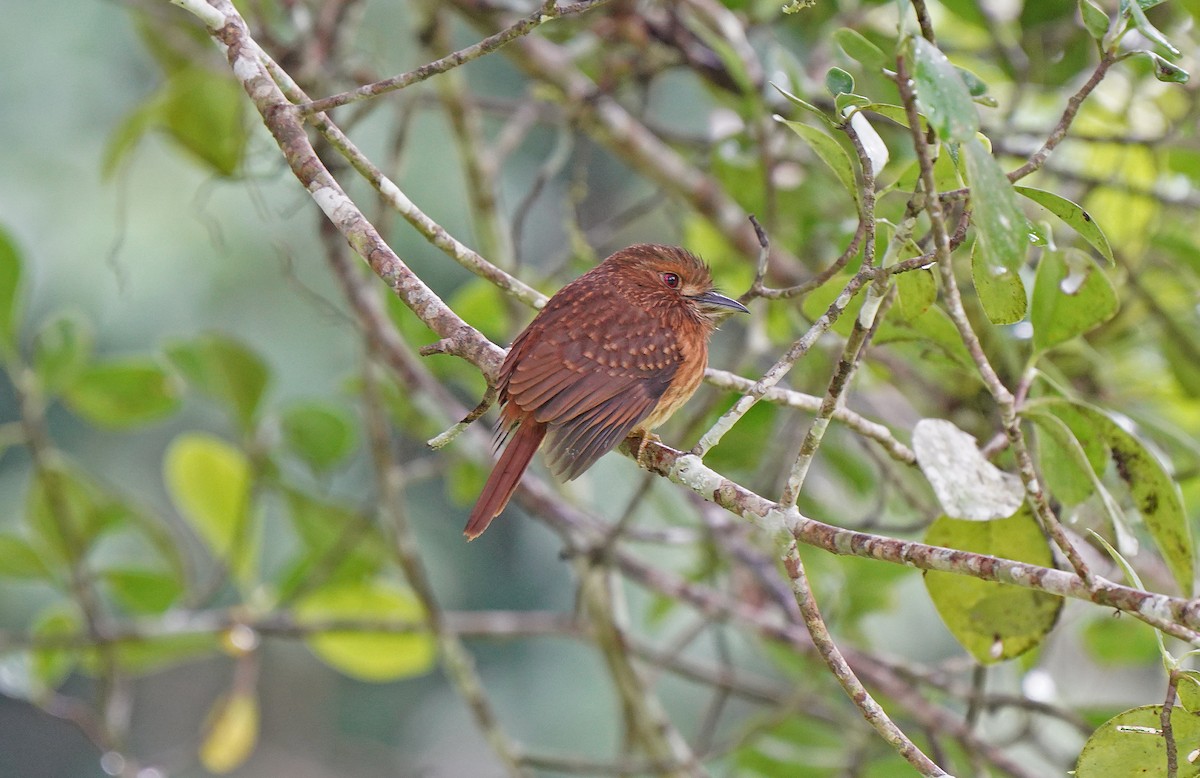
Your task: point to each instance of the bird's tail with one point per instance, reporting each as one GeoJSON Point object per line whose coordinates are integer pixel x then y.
{"type": "Point", "coordinates": [505, 476]}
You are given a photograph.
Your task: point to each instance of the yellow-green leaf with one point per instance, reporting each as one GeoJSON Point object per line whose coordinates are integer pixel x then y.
{"type": "Point", "coordinates": [232, 733]}
{"type": "Point", "coordinates": [209, 482]}
{"type": "Point", "coordinates": [993, 621]}
{"type": "Point", "coordinates": [371, 654]}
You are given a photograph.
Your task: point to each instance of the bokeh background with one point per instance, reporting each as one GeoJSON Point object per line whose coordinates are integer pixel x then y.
{"type": "Point", "coordinates": [143, 247]}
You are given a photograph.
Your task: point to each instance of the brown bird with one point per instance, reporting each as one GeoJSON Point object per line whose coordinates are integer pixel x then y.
{"type": "Point", "coordinates": [616, 351]}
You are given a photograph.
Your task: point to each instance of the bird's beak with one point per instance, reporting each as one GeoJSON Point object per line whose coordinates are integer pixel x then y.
{"type": "Point", "coordinates": [718, 300]}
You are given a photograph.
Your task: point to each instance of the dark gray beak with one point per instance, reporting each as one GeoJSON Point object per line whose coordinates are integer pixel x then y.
{"type": "Point", "coordinates": [718, 300]}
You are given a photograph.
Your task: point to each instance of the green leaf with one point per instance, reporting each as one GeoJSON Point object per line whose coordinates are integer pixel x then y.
{"type": "Point", "coordinates": [339, 544]}
{"type": "Point", "coordinates": [1003, 237]}
{"type": "Point", "coordinates": [1138, 15]}
{"type": "Point", "coordinates": [1153, 491]}
{"type": "Point", "coordinates": [967, 485]}
{"type": "Point", "coordinates": [976, 86]}
{"type": "Point", "coordinates": [1120, 641]}
{"type": "Point", "coordinates": [141, 657]}
{"type": "Point", "coordinates": [205, 112]}
{"type": "Point", "coordinates": [839, 82]}
{"type": "Point", "coordinates": [51, 666]}
{"type": "Point", "coordinates": [61, 349]}
{"type": "Point", "coordinates": [1073, 215]}
{"type": "Point", "coordinates": [123, 393]}
{"type": "Point", "coordinates": [65, 512]}
{"type": "Point", "coordinates": [18, 559]}
{"type": "Point", "coordinates": [124, 139]}
{"type": "Point", "coordinates": [1001, 292]}
{"type": "Point", "coordinates": [322, 434]}
{"type": "Point", "coordinates": [369, 655]}
{"type": "Point", "coordinates": [1131, 743]}
{"type": "Point", "coordinates": [231, 732]}
{"type": "Point", "coordinates": [1157, 498]}
{"type": "Point", "coordinates": [799, 103]}
{"type": "Point", "coordinates": [143, 591]}
{"type": "Point", "coordinates": [847, 102]}
{"type": "Point", "coordinates": [10, 294]}
{"type": "Point", "coordinates": [830, 152]}
{"type": "Point", "coordinates": [993, 621]}
{"type": "Point", "coordinates": [917, 290]}
{"type": "Point", "coordinates": [209, 481]}
{"type": "Point", "coordinates": [224, 370]}
{"type": "Point", "coordinates": [858, 48]}
{"type": "Point", "coordinates": [1095, 20]}
{"type": "Point", "coordinates": [1062, 456]}
{"type": "Point", "coordinates": [944, 98]}
{"type": "Point", "coordinates": [1167, 71]}
{"type": "Point", "coordinates": [895, 113]}
{"type": "Point", "coordinates": [932, 328]}
{"type": "Point", "coordinates": [479, 302]}
{"type": "Point", "coordinates": [1071, 296]}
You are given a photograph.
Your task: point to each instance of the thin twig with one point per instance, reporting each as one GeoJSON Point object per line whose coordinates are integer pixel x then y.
{"type": "Point", "coordinates": [545, 13]}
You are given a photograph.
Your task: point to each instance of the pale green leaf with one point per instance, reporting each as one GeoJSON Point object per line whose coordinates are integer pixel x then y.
{"type": "Point", "coordinates": [967, 485]}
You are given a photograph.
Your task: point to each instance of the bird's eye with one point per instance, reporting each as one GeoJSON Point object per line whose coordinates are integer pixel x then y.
{"type": "Point", "coordinates": [671, 280]}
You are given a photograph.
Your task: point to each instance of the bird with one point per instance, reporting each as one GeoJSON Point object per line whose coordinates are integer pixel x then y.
{"type": "Point", "coordinates": [614, 352]}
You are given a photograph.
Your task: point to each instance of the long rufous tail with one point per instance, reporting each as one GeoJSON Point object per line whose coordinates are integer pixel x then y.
{"type": "Point", "coordinates": [504, 478]}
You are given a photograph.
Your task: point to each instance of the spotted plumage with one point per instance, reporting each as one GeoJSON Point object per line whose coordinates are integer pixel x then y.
{"type": "Point", "coordinates": [615, 351]}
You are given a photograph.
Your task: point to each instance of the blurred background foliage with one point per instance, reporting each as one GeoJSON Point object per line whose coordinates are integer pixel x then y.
{"type": "Point", "coordinates": [193, 537]}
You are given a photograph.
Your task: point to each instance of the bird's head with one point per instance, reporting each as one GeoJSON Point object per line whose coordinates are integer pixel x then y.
{"type": "Point", "coordinates": [668, 276]}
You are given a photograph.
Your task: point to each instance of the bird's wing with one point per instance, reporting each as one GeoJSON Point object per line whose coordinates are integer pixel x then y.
{"type": "Point", "coordinates": [590, 369]}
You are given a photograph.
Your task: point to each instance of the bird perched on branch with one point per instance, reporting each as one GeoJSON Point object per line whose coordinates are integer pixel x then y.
{"type": "Point", "coordinates": [614, 352]}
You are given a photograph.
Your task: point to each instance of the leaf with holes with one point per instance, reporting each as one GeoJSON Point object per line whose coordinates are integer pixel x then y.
{"type": "Point", "coordinates": [1071, 296]}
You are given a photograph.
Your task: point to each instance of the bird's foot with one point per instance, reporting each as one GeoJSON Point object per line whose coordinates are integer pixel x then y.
{"type": "Point", "coordinates": [645, 438]}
